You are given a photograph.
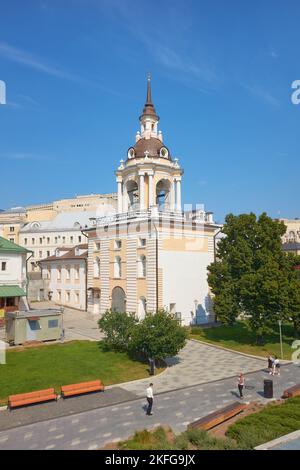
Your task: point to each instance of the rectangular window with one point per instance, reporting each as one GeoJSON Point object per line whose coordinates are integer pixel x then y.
{"type": "Point", "coordinates": [59, 274]}
{"type": "Point", "coordinates": [48, 240]}
{"type": "Point", "coordinates": [118, 244]}
{"type": "Point", "coordinates": [40, 254]}
{"type": "Point", "coordinates": [64, 239]}
{"type": "Point", "coordinates": [79, 239]}
{"type": "Point", "coordinates": [97, 246]}
{"type": "Point", "coordinates": [12, 240]}
{"type": "Point", "coordinates": [3, 266]}
{"type": "Point", "coordinates": [59, 295]}
{"type": "Point", "coordinates": [55, 239]}
{"type": "Point", "coordinates": [52, 323]}
{"type": "Point", "coordinates": [76, 272]}
{"type": "Point", "coordinates": [68, 273]}
{"type": "Point", "coordinates": [71, 239]}
{"type": "Point", "coordinates": [25, 241]}
{"type": "Point", "coordinates": [68, 296]}
{"type": "Point", "coordinates": [142, 242]}
{"type": "Point", "coordinates": [48, 253]}
{"type": "Point", "coordinates": [41, 241]}
{"type": "Point", "coordinates": [32, 241]}
{"type": "Point", "coordinates": [76, 298]}
{"type": "Point", "coordinates": [11, 229]}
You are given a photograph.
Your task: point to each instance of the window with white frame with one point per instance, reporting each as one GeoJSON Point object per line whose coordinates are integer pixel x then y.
{"type": "Point", "coordinates": [68, 273]}
{"type": "Point", "coordinates": [142, 242]}
{"type": "Point", "coordinates": [3, 265]}
{"type": "Point", "coordinates": [117, 267]}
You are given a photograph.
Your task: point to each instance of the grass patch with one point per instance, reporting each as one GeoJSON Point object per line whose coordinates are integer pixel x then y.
{"type": "Point", "coordinates": [54, 365]}
{"type": "Point", "coordinates": [270, 423]}
{"type": "Point", "coordinates": [164, 439]}
{"type": "Point", "coordinates": [239, 338]}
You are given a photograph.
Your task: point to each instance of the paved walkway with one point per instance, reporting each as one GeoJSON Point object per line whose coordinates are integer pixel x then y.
{"type": "Point", "coordinates": [93, 429]}
{"type": "Point", "coordinates": [195, 364]}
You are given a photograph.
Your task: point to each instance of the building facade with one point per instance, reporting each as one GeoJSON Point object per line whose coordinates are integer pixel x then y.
{"type": "Point", "coordinates": [13, 277]}
{"type": "Point", "coordinates": [291, 239]}
{"type": "Point", "coordinates": [65, 276]}
{"type": "Point", "coordinates": [151, 254]}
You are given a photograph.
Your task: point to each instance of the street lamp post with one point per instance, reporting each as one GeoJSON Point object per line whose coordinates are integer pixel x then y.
{"type": "Point", "coordinates": [280, 335]}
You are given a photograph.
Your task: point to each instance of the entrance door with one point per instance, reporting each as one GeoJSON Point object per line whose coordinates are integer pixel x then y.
{"type": "Point", "coordinates": [96, 302]}
{"type": "Point", "coordinates": [118, 300]}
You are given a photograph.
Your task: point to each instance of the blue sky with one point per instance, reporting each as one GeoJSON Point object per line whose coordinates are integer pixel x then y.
{"type": "Point", "coordinates": [75, 72]}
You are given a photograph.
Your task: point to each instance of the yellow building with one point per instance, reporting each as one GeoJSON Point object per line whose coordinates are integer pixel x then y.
{"type": "Point", "coordinates": [151, 253]}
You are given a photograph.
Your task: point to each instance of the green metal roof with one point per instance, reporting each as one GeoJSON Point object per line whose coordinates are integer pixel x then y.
{"type": "Point", "coordinates": [11, 291]}
{"type": "Point", "coordinates": [6, 245]}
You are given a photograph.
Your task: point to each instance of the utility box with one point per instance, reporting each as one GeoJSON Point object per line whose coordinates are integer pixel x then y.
{"type": "Point", "coordinates": [268, 388]}
{"type": "Point", "coordinates": [33, 325]}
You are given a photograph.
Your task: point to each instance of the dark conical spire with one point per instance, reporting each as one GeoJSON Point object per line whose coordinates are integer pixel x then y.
{"type": "Point", "coordinates": [149, 107]}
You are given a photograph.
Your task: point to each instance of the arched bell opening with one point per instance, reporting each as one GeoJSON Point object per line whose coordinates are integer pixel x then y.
{"type": "Point", "coordinates": [133, 195]}
{"type": "Point", "coordinates": [163, 194]}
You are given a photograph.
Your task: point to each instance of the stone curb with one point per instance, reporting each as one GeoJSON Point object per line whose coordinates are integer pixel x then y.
{"type": "Point", "coordinates": [280, 440]}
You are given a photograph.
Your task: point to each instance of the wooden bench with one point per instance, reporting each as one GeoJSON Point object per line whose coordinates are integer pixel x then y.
{"type": "Point", "coordinates": [217, 417]}
{"type": "Point", "coordinates": [291, 392]}
{"type": "Point", "coordinates": [80, 388]}
{"type": "Point", "coordinates": [30, 398]}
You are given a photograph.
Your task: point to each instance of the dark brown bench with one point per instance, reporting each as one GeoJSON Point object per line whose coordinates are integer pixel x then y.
{"type": "Point", "coordinates": [291, 392]}
{"type": "Point", "coordinates": [217, 417]}
{"type": "Point", "coordinates": [80, 388]}
{"type": "Point", "coordinates": [32, 397]}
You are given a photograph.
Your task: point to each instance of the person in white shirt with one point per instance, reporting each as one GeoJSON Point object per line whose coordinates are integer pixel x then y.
{"type": "Point", "coordinates": [149, 396]}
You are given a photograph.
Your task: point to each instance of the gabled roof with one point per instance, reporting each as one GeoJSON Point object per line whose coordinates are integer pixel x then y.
{"type": "Point", "coordinates": [10, 247]}
{"type": "Point", "coordinates": [70, 254]}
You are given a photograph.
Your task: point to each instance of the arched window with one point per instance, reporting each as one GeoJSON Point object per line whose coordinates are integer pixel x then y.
{"type": "Point", "coordinates": [97, 267]}
{"type": "Point", "coordinates": [133, 195]}
{"type": "Point", "coordinates": [142, 266]}
{"type": "Point", "coordinates": [117, 267]}
{"type": "Point", "coordinates": [142, 308]}
{"type": "Point", "coordinates": [292, 236]}
{"type": "Point", "coordinates": [118, 300]}
{"type": "Point", "coordinates": [163, 194]}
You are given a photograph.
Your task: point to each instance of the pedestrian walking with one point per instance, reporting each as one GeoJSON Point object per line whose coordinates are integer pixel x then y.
{"type": "Point", "coordinates": [241, 384]}
{"type": "Point", "coordinates": [270, 363]}
{"type": "Point", "coordinates": [276, 366]}
{"type": "Point", "coordinates": [149, 396]}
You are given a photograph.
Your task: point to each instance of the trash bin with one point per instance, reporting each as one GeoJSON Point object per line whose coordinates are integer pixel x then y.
{"type": "Point", "coordinates": [152, 366]}
{"type": "Point", "coordinates": [268, 388]}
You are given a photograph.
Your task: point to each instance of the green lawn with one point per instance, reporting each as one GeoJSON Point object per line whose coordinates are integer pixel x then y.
{"type": "Point", "coordinates": [61, 364]}
{"type": "Point", "coordinates": [239, 338]}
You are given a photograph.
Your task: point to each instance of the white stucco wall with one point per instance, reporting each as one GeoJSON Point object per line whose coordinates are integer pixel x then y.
{"type": "Point", "coordinates": [65, 285]}
{"type": "Point", "coordinates": [184, 281]}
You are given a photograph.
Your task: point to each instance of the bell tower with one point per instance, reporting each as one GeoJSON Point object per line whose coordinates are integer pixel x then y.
{"type": "Point", "coordinates": [149, 177]}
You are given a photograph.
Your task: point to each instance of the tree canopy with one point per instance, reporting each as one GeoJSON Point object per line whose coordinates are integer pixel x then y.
{"type": "Point", "coordinates": [252, 275]}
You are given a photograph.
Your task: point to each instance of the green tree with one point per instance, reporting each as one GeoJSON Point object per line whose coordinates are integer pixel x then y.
{"type": "Point", "coordinates": [250, 275]}
{"type": "Point", "coordinates": [117, 328]}
{"type": "Point", "coordinates": [158, 336]}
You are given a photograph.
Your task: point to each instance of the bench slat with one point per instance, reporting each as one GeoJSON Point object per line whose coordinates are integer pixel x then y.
{"type": "Point", "coordinates": [217, 417]}
{"type": "Point", "coordinates": [80, 388]}
{"type": "Point", "coordinates": [37, 393]}
{"type": "Point", "coordinates": [292, 391]}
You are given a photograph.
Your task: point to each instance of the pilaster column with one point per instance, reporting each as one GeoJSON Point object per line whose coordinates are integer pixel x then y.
{"type": "Point", "coordinates": [150, 176]}
{"type": "Point", "coordinates": [120, 195]}
{"type": "Point", "coordinates": [125, 199]}
{"type": "Point", "coordinates": [142, 192]}
{"type": "Point", "coordinates": [172, 196]}
{"type": "Point", "coordinates": [178, 194]}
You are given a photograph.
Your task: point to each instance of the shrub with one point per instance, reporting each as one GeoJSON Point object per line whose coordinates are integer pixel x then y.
{"type": "Point", "coordinates": [117, 328]}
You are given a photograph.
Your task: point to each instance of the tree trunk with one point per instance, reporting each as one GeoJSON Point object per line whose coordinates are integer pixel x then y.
{"type": "Point", "coordinates": [260, 340]}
